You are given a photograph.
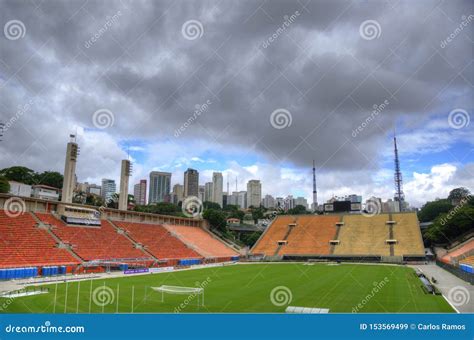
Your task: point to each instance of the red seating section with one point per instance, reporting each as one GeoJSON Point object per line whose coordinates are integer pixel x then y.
{"type": "Point", "coordinates": [23, 244]}
{"type": "Point", "coordinates": [459, 253]}
{"type": "Point", "coordinates": [158, 241]}
{"type": "Point", "coordinates": [92, 243]}
{"type": "Point", "coordinates": [201, 241]}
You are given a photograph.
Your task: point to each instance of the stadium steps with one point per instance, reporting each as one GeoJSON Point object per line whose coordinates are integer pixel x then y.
{"type": "Point", "coordinates": [22, 243]}
{"type": "Point", "coordinates": [363, 235]}
{"type": "Point", "coordinates": [268, 241]}
{"type": "Point", "coordinates": [201, 241]}
{"type": "Point", "coordinates": [408, 235]}
{"type": "Point", "coordinates": [390, 235]}
{"type": "Point", "coordinates": [137, 245]}
{"type": "Point", "coordinates": [92, 243]}
{"type": "Point", "coordinates": [158, 241]}
{"type": "Point", "coordinates": [311, 236]}
{"type": "Point", "coordinates": [336, 236]}
{"type": "Point", "coordinates": [57, 239]}
{"type": "Point", "coordinates": [291, 226]}
{"type": "Point", "coordinates": [225, 240]}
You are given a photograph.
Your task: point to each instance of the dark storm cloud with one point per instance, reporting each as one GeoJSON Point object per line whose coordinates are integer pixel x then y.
{"type": "Point", "coordinates": [320, 69]}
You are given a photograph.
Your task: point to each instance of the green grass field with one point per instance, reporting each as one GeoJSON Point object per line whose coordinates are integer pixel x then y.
{"type": "Point", "coordinates": [245, 288]}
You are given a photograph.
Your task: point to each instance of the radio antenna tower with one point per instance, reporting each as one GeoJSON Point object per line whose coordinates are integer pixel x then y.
{"type": "Point", "coordinates": [315, 192]}
{"type": "Point", "coordinates": [400, 196]}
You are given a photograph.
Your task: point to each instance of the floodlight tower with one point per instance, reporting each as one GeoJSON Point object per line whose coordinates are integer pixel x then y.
{"type": "Point", "coordinates": [125, 173]}
{"type": "Point", "coordinates": [399, 195]}
{"type": "Point", "coordinates": [72, 152]}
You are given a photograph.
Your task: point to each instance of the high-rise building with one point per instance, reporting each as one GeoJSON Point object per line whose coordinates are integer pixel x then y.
{"type": "Point", "coordinates": [191, 182]}
{"type": "Point", "coordinates": [177, 195]}
{"type": "Point", "coordinates": [208, 192]}
{"type": "Point", "coordinates": [268, 201]}
{"type": "Point", "coordinates": [217, 186]}
{"type": "Point", "coordinates": [108, 189]}
{"type": "Point", "coordinates": [160, 186]}
{"type": "Point", "coordinates": [201, 192]}
{"type": "Point", "coordinates": [254, 193]}
{"type": "Point", "coordinates": [139, 191]}
{"type": "Point", "coordinates": [241, 199]}
{"type": "Point", "coordinates": [301, 201]}
{"type": "Point", "coordinates": [289, 203]}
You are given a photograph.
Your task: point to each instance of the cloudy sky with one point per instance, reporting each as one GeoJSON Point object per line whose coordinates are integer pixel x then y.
{"type": "Point", "coordinates": [256, 89]}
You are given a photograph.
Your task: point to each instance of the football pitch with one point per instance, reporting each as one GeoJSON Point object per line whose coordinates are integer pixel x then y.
{"type": "Point", "coordinates": [243, 288]}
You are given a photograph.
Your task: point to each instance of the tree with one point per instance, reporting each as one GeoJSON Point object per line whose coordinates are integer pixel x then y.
{"type": "Point", "coordinates": [448, 226]}
{"type": "Point", "coordinates": [51, 178]}
{"type": "Point", "coordinates": [4, 185]}
{"type": "Point", "coordinates": [432, 210]}
{"type": "Point", "coordinates": [298, 210]}
{"type": "Point", "coordinates": [94, 200]}
{"type": "Point", "coordinates": [216, 218]}
{"type": "Point", "coordinates": [458, 194]}
{"type": "Point", "coordinates": [237, 214]}
{"type": "Point", "coordinates": [211, 205]}
{"type": "Point", "coordinates": [257, 213]}
{"type": "Point", "coordinates": [79, 197]}
{"type": "Point", "coordinates": [19, 174]}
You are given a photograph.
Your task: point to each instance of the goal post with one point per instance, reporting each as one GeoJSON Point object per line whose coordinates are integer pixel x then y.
{"type": "Point", "coordinates": [178, 290]}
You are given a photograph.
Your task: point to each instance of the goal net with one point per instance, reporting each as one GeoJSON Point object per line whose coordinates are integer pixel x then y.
{"type": "Point", "coordinates": [192, 292]}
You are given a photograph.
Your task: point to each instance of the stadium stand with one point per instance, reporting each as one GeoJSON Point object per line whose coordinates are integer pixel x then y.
{"type": "Point", "coordinates": [92, 243]}
{"type": "Point", "coordinates": [407, 232]}
{"type": "Point", "coordinates": [459, 253]}
{"type": "Point", "coordinates": [311, 235]}
{"type": "Point", "coordinates": [23, 244]}
{"type": "Point", "coordinates": [362, 235]}
{"type": "Point", "coordinates": [158, 240]}
{"type": "Point", "coordinates": [201, 241]}
{"type": "Point", "coordinates": [276, 231]}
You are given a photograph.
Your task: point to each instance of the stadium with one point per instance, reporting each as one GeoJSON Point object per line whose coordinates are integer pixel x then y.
{"type": "Point", "coordinates": [58, 258]}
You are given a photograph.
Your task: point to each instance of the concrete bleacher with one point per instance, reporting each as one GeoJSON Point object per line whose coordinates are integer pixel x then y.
{"type": "Point", "coordinates": [201, 241]}
{"type": "Point", "coordinates": [92, 243]}
{"type": "Point", "coordinates": [363, 235]}
{"type": "Point", "coordinates": [158, 241]}
{"type": "Point", "coordinates": [459, 253]}
{"type": "Point", "coordinates": [311, 235]}
{"type": "Point", "coordinates": [407, 232]}
{"type": "Point", "coordinates": [344, 236]}
{"type": "Point", "coordinates": [23, 244]}
{"type": "Point", "coordinates": [268, 242]}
